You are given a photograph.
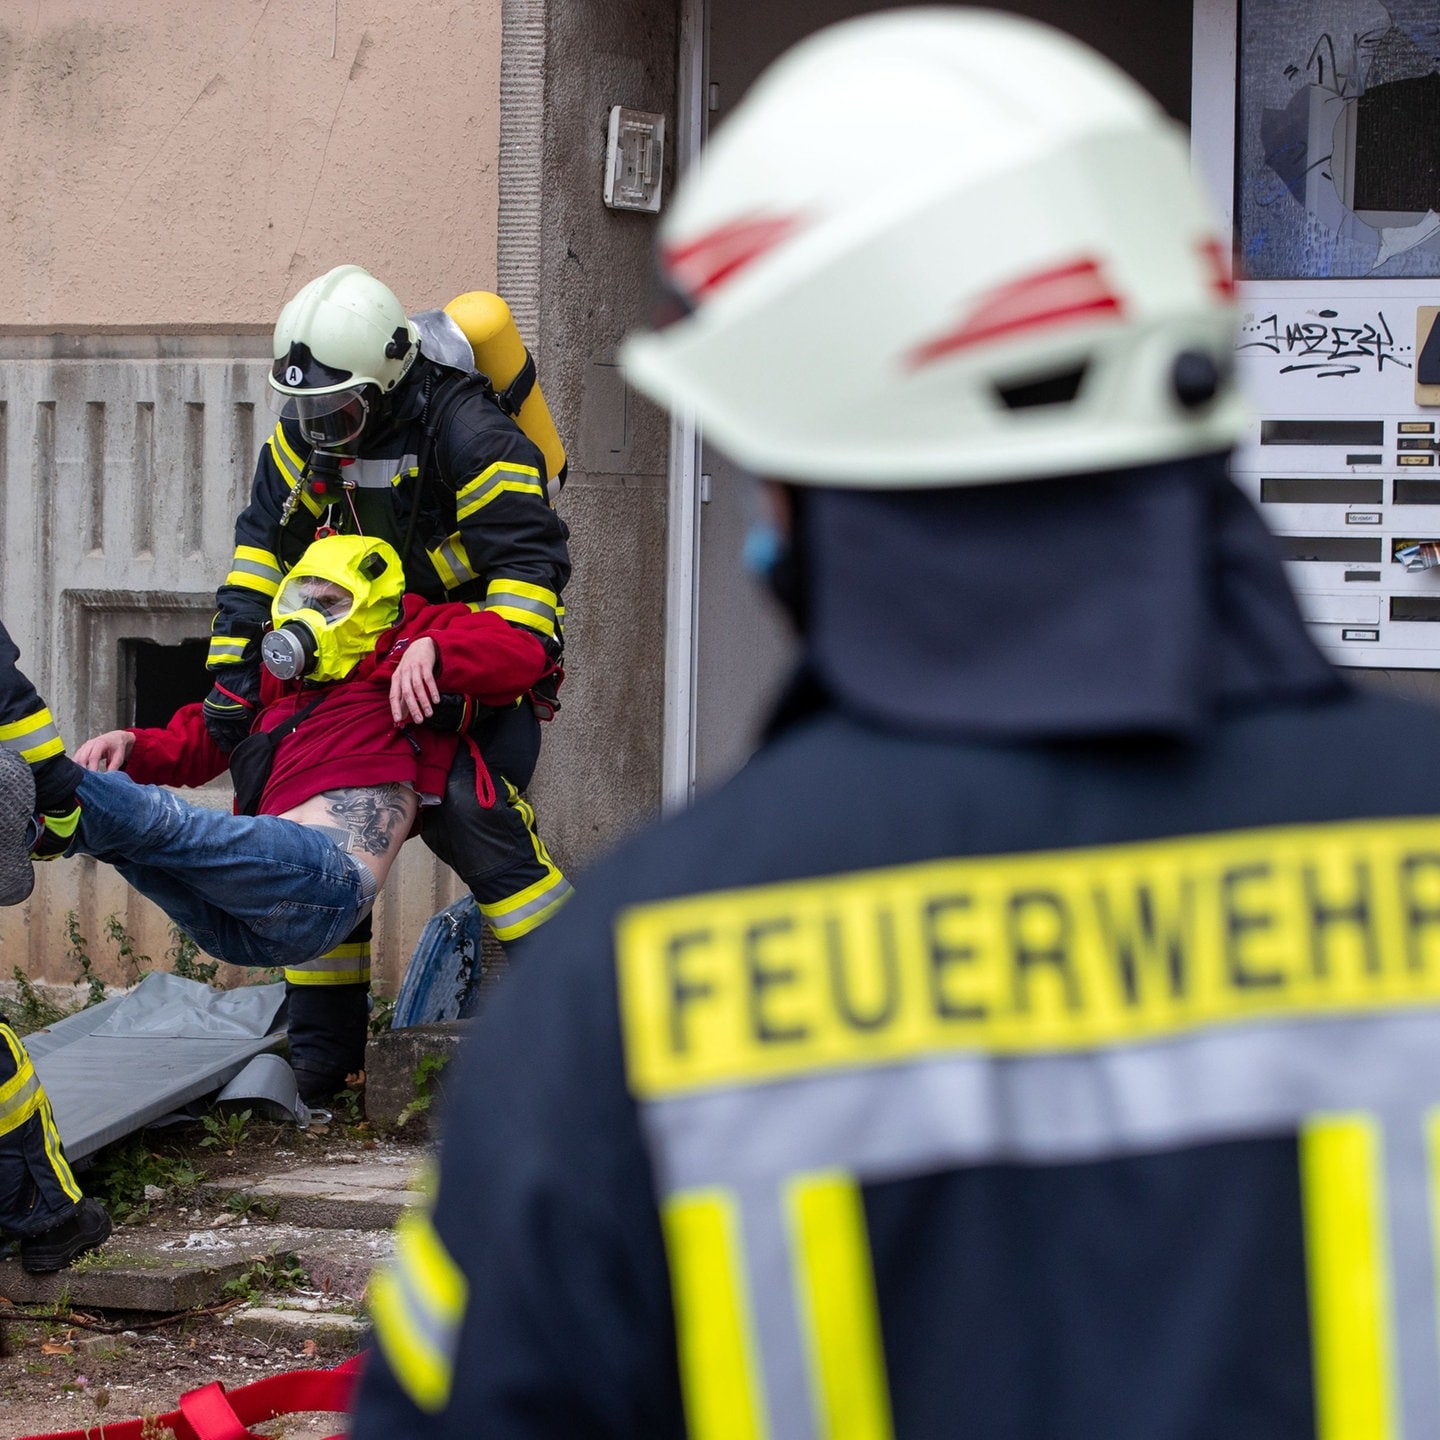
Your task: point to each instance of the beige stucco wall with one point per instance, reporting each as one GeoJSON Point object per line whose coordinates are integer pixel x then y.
{"type": "Point", "coordinates": [172, 164]}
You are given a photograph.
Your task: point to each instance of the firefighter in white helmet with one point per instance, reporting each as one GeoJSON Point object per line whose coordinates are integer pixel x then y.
{"type": "Point", "coordinates": [385, 431]}
{"type": "Point", "coordinates": [1037, 1038]}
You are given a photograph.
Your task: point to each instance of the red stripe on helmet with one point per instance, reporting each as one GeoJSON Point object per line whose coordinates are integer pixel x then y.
{"type": "Point", "coordinates": [1220, 266]}
{"type": "Point", "coordinates": [1068, 293]}
{"type": "Point", "coordinates": [705, 263]}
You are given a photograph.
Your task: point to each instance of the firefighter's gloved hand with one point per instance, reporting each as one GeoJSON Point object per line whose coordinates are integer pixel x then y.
{"type": "Point", "coordinates": [454, 714]}
{"type": "Point", "coordinates": [230, 707]}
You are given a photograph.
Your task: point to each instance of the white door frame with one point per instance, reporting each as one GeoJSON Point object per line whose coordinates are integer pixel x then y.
{"type": "Point", "coordinates": [682, 545]}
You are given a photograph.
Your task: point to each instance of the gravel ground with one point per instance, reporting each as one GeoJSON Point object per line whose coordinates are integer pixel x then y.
{"type": "Point", "coordinates": [59, 1377]}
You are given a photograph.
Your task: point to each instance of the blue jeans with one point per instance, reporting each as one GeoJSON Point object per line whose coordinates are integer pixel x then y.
{"type": "Point", "coordinates": [252, 889]}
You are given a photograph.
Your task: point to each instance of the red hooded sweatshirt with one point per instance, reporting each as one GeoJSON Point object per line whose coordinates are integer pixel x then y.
{"type": "Point", "coordinates": [349, 738]}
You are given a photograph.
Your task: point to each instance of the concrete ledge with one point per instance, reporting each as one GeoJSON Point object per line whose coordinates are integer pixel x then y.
{"type": "Point", "coordinates": [331, 1330]}
{"type": "Point", "coordinates": [393, 1064]}
{"type": "Point", "coordinates": [154, 1270]}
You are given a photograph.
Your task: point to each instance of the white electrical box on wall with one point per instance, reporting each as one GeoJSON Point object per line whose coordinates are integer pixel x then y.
{"type": "Point", "coordinates": [1311, 125]}
{"type": "Point", "coordinates": [634, 159]}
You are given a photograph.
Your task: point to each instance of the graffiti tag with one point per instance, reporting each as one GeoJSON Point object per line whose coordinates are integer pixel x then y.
{"type": "Point", "coordinates": [1324, 346]}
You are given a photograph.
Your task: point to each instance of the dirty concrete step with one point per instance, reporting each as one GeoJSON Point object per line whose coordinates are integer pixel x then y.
{"type": "Point", "coordinates": [360, 1195]}
{"type": "Point", "coordinates": [163, 1271]}
{"type": "Point", "coordinates": [291, 1326]}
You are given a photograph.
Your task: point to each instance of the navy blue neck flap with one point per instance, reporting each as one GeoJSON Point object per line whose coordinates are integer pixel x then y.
{"type": "Point", "coordinates": [1137, 602]}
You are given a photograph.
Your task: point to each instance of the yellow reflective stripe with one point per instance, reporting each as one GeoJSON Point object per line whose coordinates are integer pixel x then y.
{"type": "Point", "coordinates": [255, 569]}
{"type": "Point", "coordinates": [290, 466]}
{"type": "Point", "coordinates": [519, 616]}
{"type": "Point", "coordinates": [1342, 1198]}
{"type": "Point", "coordinates": [417, 1303]}
{"type": "Point", "coordinates": [64, 1176]}
{"type": "Point", "coordinates": [20, 1095]}
{"type": "Point", "coordinates": [452, 562]}
{"type": "Point", "coordinates": [527, 909]}
{"type": "Point", "coordinates": [347, 964]}
{"type": "Point", "coordinates": [501, 476]}
{"type": "Point", "coordinates": [719, 1374]}
{"type": "Point", "coordinates": [35, 737]}
{"type": "Point", "coordinates": [835, 1293]}
{"type": "Point", "coordinates": [224, 651]}
{"type": "Point", "coordinates": [523, 603]}
{"type": "Point", "coordinates": [1031, 954]}
{"type": "Point", "coordinates": [286, 456]}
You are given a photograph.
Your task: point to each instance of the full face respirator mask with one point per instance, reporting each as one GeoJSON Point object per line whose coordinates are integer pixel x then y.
{"type": "Point", "coordinates": [342, 595]}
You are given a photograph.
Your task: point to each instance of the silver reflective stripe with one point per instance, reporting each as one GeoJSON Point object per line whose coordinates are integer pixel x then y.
{"type": "Point", "coordinates": [510, 601]}
{"type": "Point", "coordinates": [968, 1109]}
{"type": "Point", "coordinates": [32, 739]}
{"type": "Point", "coordinates": [1410, 1195]}
{"type": "Point", "coordinates": [459, 568]}
{"type": "Point", "coordinates": [531, 908]}
{"type": "Point", "coordinates": [779, 1333]}
{"type": "Point", "coordinates": [269, 573]}
{"type": "Point", "coordinates": [16, 1110]}
{"type": "Point", "coordinates": [433, 1329]}
{"type": "Point", "coordinates": [379, 473]}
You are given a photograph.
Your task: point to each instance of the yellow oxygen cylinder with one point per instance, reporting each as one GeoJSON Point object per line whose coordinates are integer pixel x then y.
{"type": "Point", "coordinates": [501, 355]}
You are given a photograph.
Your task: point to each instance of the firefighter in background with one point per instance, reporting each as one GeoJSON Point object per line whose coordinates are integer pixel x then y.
{"type": "Point", "coordinates": [41, 1205]}
{"type": "Point", "coordinates": [1041, 1035]}
{"type": "Point", "coordinates": [430, 462]}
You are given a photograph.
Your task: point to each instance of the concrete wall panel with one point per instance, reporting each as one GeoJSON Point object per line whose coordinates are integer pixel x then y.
{"type": "Point", "coordinates": [600, 771]}
{"type": "Point", "coordinates": [122, 467]}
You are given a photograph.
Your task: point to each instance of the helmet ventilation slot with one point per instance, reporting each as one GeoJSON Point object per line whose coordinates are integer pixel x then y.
{"type": "Point", "coordinates": [1058, 389]}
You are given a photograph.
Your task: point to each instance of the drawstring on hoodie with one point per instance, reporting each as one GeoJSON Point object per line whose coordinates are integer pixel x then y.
{"type": "Point", "coordinates": [484, 785]}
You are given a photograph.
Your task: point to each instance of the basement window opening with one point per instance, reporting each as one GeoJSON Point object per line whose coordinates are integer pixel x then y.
{"type": "Point", "coordinates": [157, 680]}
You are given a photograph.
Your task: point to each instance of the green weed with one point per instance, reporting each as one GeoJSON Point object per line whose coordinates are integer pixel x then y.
{"type": "Point", "coordinates": [95, 991]}
{"type": "Point", "coordinates": [122, 1172]}
{"type": "Point", "coordinates": [132, 960]}
{"type": "Point", "coordinates": [32, 1010]}
{"type": "Point", "coordinates": [227, 1131]}
{"type": "Point", "coordinates": [182, 956]}
{"type": "Point", "coordinates": [381, 1014]}
{"type": "Point", "coordinates": [280, 1273]}
{"type": "Point", "coordinates": [427, 1072]}
{"type": "Point", "coordinates": [247, 1206]}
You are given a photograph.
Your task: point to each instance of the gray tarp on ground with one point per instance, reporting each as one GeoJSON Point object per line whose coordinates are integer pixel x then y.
{"type": "Point", "coordinates": [112, 1069]}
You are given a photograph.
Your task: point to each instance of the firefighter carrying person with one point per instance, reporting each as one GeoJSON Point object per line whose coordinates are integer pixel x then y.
{"type": "Point", "coordinates": [1041, 1035]}
{"type": "Point", "coordinates": [344, 760]}
{"type": "Point", "coordinates": [430, 462]}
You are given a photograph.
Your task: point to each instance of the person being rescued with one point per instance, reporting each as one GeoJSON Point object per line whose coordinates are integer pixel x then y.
{"type": "Point", "coordinates": [366, 696]}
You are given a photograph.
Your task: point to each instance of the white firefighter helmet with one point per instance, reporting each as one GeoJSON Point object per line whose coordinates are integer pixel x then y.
{"type": "Point", "coordinates": [942, 247]}
{"type": "Point", "coordinates": [341, 345]}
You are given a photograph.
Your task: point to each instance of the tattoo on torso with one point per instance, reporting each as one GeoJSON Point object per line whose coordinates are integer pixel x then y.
{"type": "Point", "coordinates": [374, 817]}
